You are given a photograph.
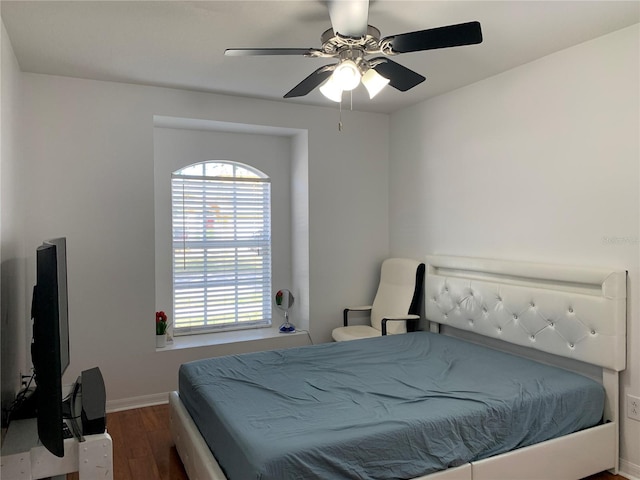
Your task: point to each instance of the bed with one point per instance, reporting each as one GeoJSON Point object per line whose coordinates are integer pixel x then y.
{"type": "Point", "coordinates": [394, 403]}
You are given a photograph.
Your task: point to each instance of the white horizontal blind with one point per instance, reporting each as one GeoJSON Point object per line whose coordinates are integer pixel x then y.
{"type": "Point", "coordinates": [221, 253]}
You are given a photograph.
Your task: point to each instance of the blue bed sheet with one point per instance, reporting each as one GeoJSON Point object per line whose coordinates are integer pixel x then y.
{"type": "Point", "coordinates": [393, 407]}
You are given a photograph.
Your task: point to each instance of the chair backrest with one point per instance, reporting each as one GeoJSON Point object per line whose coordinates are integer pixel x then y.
{"type": "Point", "coordinates": [399, 292]}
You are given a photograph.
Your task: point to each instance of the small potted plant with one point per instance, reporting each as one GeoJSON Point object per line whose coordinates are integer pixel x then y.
{"type": "Point", "coordinates": [161, 329]}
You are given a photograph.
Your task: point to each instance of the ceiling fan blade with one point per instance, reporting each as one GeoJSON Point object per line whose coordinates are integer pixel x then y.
{"type": "Point", "coordinates": [349, 18]}
{"type": "Point", "coordinates": [311, 82]}
{"type": "Point", "coordinates": [244, 52]}
{"type": "Point", "coordinates": [400, 77]}
{"type": "Point", "coordinates": [442, 37]}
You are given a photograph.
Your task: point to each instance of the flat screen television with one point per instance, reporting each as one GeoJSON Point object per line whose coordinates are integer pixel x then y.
{"type": "Point", "coordinates": [50, 345]}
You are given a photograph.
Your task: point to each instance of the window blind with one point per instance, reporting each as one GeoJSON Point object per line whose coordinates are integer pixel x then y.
{"type": "Point", "coordinates": [221, 253]}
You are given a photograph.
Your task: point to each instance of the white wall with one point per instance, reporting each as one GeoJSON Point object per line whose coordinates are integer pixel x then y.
{"type": "Point", "coordinates": [13, 312]}
{"type": "Point", "coordinates": [540, 163]}
{"type": "Point", "coordinates": [300, 226]}
{"type": "Point", "coordinates": [88, 153]}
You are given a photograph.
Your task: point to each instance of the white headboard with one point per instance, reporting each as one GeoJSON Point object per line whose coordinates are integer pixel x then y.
{"type": "Point", "coordinates": [573, 312]}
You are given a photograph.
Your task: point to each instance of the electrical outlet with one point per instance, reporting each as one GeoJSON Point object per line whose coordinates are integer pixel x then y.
{"type": "Point", "coordinates": [633, 407]}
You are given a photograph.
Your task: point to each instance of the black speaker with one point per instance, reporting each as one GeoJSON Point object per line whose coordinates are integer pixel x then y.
{"type": "Point", "coordinates": [94, 399]}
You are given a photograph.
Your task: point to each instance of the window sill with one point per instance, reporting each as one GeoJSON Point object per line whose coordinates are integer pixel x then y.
{"type": "Point", "coordinates": [223, 338]}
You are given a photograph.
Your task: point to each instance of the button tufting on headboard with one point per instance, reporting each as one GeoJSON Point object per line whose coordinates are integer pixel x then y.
{"type": "Point", "coordinates": [545, 308]}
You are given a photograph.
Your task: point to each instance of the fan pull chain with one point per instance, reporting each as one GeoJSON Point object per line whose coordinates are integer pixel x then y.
{"type": "Point", "coordinates": [340, 117]}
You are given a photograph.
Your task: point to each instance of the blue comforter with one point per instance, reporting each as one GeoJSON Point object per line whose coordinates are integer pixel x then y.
{"type": "Point", "coordinates": [393, 407]}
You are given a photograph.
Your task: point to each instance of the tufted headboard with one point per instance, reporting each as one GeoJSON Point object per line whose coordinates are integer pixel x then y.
{"type": "Point", "coordinates": [573, 312]}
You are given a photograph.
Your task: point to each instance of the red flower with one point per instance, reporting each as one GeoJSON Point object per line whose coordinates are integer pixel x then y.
{"type": "Point", "coordinates": [161, 323]}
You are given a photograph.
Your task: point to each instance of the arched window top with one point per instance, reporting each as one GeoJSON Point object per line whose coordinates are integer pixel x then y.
{"type": "Point", "coordinates": [221, 169]}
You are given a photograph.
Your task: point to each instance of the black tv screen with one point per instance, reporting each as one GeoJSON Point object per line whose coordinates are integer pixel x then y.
{"type": "Point", "coordinates": [50, 347]}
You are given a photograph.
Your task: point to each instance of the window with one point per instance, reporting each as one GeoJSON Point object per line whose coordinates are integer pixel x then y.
{"type": "Point", "coordinates": [221, 223]}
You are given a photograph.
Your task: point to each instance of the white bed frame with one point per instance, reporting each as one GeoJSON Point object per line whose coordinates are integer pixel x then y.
{"type": "Point", "coordinates": [569, 312]}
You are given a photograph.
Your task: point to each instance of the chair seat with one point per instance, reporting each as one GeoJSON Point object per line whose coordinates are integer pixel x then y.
{"type": "Point", "coordinates": [354, 332]}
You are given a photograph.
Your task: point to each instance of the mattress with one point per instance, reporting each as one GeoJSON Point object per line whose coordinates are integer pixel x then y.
{"type": "Point", "coordinates": [388, 407]}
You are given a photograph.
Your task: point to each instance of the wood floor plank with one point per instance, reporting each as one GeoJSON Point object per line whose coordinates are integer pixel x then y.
{"type": "Point", "coordinates": [117, 430]}
{"type": "Point", "coordinates": [161, 443]}
{"type": "Point", "coordinates": [605, 476]}
{"type": "Point", "coordinates": [153, 418]}
{"type": "Point", "coordinates": [176, 469]}
{"type": "Point", "coordinates": [143, 468]}
{"type": "Point", "coordinates": [143, 448]}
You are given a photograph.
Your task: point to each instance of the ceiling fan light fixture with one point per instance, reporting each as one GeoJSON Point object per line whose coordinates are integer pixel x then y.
{"type": "Point", "coordinates": [331, 90]}
{"type": "Point", "coordinates": [374, 82]}
{"type": "Point", "coordinates": [347, 75]}
{"type": "Point", "coordinates": [350, 40]}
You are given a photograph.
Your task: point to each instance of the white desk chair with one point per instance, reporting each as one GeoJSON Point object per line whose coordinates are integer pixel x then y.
{"type": "Point", "coordinates": [396, 306]}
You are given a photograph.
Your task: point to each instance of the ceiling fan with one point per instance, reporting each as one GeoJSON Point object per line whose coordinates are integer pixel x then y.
{"type": "Point", "coordinates": [351, 40]}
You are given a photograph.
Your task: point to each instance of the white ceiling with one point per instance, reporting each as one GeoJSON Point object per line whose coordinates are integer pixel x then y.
{"type": "Point", "coordinates": [181, 43]}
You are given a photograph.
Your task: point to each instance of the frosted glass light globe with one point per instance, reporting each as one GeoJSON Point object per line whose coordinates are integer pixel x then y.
{"type": "Point", "coordinates": [347, 75]}
{"type": "Point", "coordinates": [331, 90]}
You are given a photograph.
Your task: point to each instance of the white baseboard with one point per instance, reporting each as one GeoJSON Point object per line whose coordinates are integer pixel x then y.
{"type": "Point", "coordinates": [137, 402]}
{"type": "Point", "coordinates": [629, 470]}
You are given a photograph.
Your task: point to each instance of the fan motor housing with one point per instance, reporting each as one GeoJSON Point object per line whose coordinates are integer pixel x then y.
{"type": "Point", "coordinates": [334, 43]}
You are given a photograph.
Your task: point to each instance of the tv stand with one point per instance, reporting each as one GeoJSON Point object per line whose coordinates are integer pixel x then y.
{"type": "Point", "coordinates": [24, 457]}
{"type": "Point", "coordinates": [89, 452]}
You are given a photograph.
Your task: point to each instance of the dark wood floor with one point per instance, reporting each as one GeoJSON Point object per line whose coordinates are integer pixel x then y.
{"type": "Point", "coordinates": [143, 448]}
